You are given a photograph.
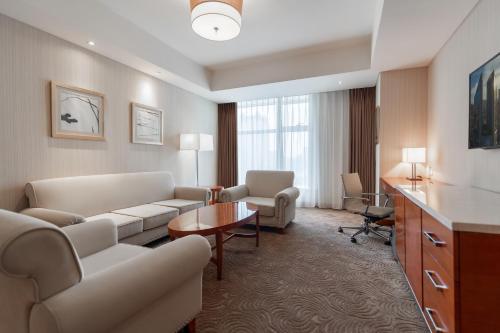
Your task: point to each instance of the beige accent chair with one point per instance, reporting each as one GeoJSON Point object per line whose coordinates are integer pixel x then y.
{"type": "Point", "coordinates": [79, 279]}
{"type": "Point", "coordinates": [271, 191]}
{"type": "Point", "coordinates": [139, 204]}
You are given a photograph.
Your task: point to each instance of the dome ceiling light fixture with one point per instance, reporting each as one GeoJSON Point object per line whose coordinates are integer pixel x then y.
{"type": "Point", "coordinates": [217, 20]}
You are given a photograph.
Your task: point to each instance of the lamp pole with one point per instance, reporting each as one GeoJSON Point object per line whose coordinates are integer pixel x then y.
{"type": "Point", "coordinates": [197, 167]}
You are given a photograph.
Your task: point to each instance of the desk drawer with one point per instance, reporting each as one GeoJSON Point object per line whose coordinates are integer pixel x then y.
{"type": "Point", "coordinates": [437, 241]}
{"type": "Point", "coordinates": [438, 296]}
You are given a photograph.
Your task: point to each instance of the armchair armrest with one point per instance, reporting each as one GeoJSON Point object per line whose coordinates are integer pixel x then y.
{"type": "Point", "coordinates": [56, 217]}
{"type": "Point", "coordinates": [234, 193]}
{"type": "Point", "coordinates": [192, 193]}
{"type": "Point", "coordinates": [106, 299]}
{"type": "Point", "coordinates": [287, 196]}
{"type": "Point", "coordinates": [92, 236]}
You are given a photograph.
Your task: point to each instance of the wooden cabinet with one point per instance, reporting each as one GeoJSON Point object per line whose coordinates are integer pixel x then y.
{"type": "Point", "coordinates": [399, 227]}
{"type": "Point", "coordinates": [413, 240]}
{"type": "Point", "coordinates": [455, 275]}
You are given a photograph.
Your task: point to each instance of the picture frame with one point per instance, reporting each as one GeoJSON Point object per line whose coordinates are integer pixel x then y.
{"type": "Point", "coordinates": [147, 124]}
{"type": "Point", "coordinates": [76, 113]}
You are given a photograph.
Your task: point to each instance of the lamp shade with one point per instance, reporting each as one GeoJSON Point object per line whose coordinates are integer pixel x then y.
{"type": "Point", "coordinates": [194, 141]}
{"type": "Point", "coordinates": [216, 20]}
{"type": "Point", "coordinates": [414, 155]}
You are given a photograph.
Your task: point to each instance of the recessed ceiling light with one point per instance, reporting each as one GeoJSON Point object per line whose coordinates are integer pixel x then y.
{"type": "Point", "coordinates": [91, 43]}
{"type": "Point", "coordinates": [340, 83]}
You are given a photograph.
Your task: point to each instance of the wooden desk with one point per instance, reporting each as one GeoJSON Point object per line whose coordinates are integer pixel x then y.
{"type": "Point", "coordinates": [448, 244]}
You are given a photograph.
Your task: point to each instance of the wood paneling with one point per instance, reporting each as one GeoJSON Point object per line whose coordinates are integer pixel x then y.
{"type": "Point", "coordinates": [403, 117]}
{"type": "Point", "coordinates": [30, 59]}
{"type": "Point", "coordinates": [413, 240]}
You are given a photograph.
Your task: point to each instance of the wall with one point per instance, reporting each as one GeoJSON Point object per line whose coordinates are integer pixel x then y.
{"type": "Point", "coordinates": [403, 118]}
{"type": "Point", "coordinates": [474, 42]}
{"type": "Point", "coordinates": [29, 59]}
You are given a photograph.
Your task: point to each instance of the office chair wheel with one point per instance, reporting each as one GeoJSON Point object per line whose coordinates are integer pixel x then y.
{"type": "Point", "coordinates": [353, 240]}
{"type": "Point", "coordinates": [340, 229]}
{"type": "Point", "coordinates": [388, 243]}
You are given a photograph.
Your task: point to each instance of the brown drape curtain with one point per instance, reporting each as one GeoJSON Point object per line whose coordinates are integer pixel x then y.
{"type": "Point", "coordinates": [227, 170]}
{"type": "Point", "coordinates": [362, 129]}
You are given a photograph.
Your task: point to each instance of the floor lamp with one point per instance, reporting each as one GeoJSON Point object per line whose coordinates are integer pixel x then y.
{"type": "Point", "coordinates": [197, 142]}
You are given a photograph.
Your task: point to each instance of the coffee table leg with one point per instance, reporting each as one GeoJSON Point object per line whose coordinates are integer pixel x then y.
{"type": "Point", "coordinates": [219, 244]}
{"type": "Point", "coordinates": [257, 230]}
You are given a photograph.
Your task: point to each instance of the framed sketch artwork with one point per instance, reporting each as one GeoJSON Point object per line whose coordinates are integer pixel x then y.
{"type": "Point", "coordinates": [147, 124]}
{"type": "Point", "coordinates": [77, 113]}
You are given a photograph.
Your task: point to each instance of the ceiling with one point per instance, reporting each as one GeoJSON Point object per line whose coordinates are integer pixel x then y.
{"type": "Point", "coordinates": [286, 47]}
{"type": "Point", "coordinates": [269, 26]}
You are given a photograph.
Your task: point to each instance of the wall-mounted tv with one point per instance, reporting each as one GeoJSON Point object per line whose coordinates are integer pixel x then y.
{"type": "Point", "coordinates": [484, 105]}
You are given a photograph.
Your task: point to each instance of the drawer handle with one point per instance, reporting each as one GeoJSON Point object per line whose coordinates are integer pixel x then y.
{"type": "Point", "coordinates": [430, 313]}
{"type": "Point", "coordinates": [431, 237]}
{"type": "Point", "coordinates": [437, 285]}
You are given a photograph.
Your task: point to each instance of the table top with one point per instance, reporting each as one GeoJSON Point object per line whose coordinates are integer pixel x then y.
{"type": "Point", "coordinates": [459, 208]}
{"type": "Point", "coordinates": [210, 219]}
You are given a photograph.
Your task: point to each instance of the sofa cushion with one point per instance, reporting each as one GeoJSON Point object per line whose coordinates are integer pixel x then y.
{"type": "Point", "coordinates": [111, 256]}
{"type": "Point", "coordinates": [266, 184]}
{"type": "Point", "coordinates": [127, 225]}
{"type": "Point", "coordinates": [266, 205]}
{"type": "Point", "coordinates": [181, 204]}
{"type": "Point", "coordinates": [152, 215]}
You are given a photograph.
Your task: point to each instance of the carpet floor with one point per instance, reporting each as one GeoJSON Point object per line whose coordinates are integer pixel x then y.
{"type": "Point", "coordinates": [310, 279]}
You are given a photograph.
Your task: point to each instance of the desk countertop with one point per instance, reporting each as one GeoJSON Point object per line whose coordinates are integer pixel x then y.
{"type": "Point", "coordinates": [459, 208]}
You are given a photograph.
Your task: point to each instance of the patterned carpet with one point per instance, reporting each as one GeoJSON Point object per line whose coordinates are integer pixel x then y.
{"type": "Point", "coordinates": [310, 279]}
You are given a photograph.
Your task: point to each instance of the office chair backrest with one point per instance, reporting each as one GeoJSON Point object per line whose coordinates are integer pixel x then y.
{"type": "Point", "coordinates": [353, 189]}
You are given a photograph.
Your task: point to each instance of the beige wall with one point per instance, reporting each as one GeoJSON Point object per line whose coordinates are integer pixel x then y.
{"type": "Point", "coordinates": [474, 42]}
{"type": "Point", "coordinates": [29, 59]}
{"type": "Point", "coordinates": [402, 96]}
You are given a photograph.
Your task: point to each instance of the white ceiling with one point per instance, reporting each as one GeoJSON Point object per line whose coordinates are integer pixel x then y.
{"type": "Point", "coordinates": [269, 26]}
{"type": "Point", "coordinates": [286, 47]}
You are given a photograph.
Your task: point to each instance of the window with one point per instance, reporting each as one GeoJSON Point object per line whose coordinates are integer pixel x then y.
{"type": "Point", "coordinates": [274, 134]}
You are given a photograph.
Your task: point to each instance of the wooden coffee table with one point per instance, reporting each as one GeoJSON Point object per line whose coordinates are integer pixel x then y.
{"type": "Point", "coordinates": [216, 220]}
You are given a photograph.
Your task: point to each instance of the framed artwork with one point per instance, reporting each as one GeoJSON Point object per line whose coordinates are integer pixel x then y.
{"type": "Point", "coordinates": [76, 113]}
{"type": "Point", "coordinates": [147, 125]}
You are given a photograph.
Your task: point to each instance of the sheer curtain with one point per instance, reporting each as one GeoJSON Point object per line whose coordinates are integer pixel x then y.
{"type": "Point", "coordinates": [306, 134]}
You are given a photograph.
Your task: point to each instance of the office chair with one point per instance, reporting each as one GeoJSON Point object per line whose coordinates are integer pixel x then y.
{"type": "Point", "coordinates": [356, 203]}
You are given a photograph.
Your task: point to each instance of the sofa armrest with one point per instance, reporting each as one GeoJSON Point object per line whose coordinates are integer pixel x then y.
{"type": "Point", "coordinates": [192, 193]}
{"type": "Point", "coordinates": [234, 193]}
{"type": "Point", "coordinates": [56, 217]}
{"type": "Point", "coordinates": [92, 236]}
{"type": "Point", "coordinates": [106, 299]}
{"type": "Point", "coordinates": [287, 196]}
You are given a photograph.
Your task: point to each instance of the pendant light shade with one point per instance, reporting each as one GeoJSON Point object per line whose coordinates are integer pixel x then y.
{"type": "Point", "coordinates": [217, 20]}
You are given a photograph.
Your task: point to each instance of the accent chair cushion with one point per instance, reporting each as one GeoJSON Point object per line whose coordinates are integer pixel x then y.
{"type": "Point", "coordinates": [181, 204]}
{"type": "Point", "coordinates": [267, 184]}
{"type": "Point", "coordinates": [266, 205]}
{"type": "Point", "coordinates": [127, 225]}
{"type": "Point", "coordinates": [152, 215]}
{"type": "Point", "coordinates": [111, 256]}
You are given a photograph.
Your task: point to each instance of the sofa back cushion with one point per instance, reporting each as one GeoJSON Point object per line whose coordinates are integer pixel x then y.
{"type": "Point", "coordinates": [93, 195]}
{"type": "Point", "coordinates": [262, 183]}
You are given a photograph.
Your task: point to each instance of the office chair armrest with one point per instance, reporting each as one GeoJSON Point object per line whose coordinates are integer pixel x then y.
{"type": "Point", "coordinates": [386, 195]}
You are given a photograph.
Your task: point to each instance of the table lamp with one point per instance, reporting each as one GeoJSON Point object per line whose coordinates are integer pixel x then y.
{"type": "Point", "coordinates": [197, 142]}
{"type": "Point", "coordinates": [414, 156]}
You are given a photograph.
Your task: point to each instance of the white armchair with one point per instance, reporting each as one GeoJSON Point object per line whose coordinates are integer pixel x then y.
{"type": "Point", "coordinates": [79, 279]}
{"type": "Point", "coordinates": [271, 191]}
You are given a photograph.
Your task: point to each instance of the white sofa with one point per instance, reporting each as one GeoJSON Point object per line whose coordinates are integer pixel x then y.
{"type": "Point", "coordinates": [79, 279]}
{"type": "Point", "coordinates": [272, 191]}
{"type": "Point", "coordinates": [139, 204]}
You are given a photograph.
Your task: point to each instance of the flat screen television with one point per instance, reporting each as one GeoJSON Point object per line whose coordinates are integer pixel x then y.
{"type": "Point", "coordinates": [484, 105]}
